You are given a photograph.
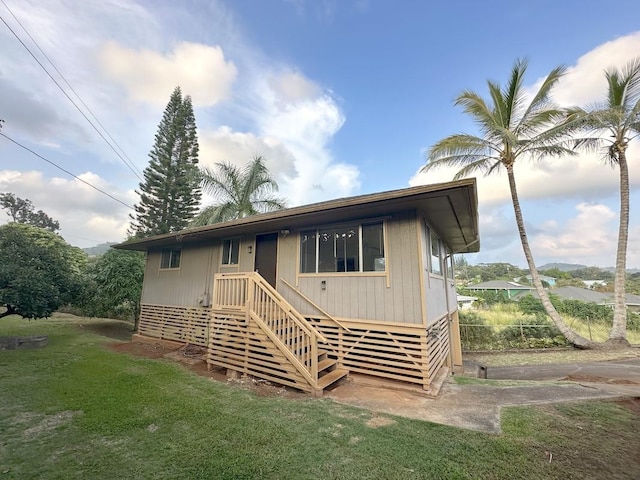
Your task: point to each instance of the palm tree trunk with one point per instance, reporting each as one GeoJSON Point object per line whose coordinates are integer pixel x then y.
{"type": "Point", "coordinates": [571, 336]}
{"type": "Point", "coordinates": [618, 334]}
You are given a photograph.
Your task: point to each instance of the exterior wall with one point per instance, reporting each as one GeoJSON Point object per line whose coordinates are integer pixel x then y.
{"type": "Point", "coordinates": [394, 296]}
{"type": "Point", "coordinates": [181, 286]}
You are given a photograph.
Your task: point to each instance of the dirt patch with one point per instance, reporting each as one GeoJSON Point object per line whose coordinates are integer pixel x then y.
{"type": "Point", "coordinates": [51, 422]}
{"type": "Point", "coordinates": [262, 388]}
{"type": "Point", "coordinates": [377, 422]}
{"type": "Point", "coordinates": [633, 404]}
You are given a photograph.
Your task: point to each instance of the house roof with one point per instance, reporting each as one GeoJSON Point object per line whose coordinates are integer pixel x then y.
{"type": "Point", "coordinates": [629, 299]}
{"type": "Point", "coordinates": [499, 285]}
{"type": "Point", "coordinates": [573, 293]}
{"type": "Point", "coordinates": [451, 209]}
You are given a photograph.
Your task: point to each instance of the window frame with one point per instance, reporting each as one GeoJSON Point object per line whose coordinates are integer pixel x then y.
{"type": "Point", "coordinates": [171, 258]}
{"type": "Point", "coordinates": [438, 245]}
{"type": "Point", "coordinates": [232, 241]}
{"type": "Point", "coordinates": [360, 225]}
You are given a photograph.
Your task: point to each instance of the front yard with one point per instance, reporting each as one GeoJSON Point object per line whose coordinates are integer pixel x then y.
{"type": "Point", "coordinates": [76, 409]}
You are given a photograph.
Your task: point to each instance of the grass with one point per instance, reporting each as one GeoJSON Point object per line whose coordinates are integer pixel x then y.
{"type": "Point", "coordinates": [504, 314]}
{"type": "Point", "coordinates": [76, 409]}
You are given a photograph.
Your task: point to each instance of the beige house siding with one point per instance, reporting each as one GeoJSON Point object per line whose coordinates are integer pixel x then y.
{"type": "Point", "coordinates": [390, 297]}
{"type": "Point", "coordinates": [181, 286]}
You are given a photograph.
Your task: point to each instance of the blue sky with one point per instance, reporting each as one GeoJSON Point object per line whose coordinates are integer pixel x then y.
{"type": "Point", "coordinates": [341, 97]}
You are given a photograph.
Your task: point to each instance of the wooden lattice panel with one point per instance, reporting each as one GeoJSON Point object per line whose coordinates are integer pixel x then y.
{"type": "Point", "coordinates": [182, 324]}
{"type": "Point", "coordinates": [244, 347]}
{"type": "Point", "coordinates": [378, 350]}
{"type": "Point", "coordinates": [437, 345]}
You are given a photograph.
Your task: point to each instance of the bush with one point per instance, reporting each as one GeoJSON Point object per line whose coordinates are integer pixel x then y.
{"type": "Point", "coordinates": [474, 331]}
{"type": "Point", "coordinates": [536, 333]}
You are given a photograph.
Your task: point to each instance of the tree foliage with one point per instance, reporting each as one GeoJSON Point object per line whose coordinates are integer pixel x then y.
{"type": "Point", "coordinates": [170, 193]}
{"type": "Point", "coordinates": [113, 285]}
{"type": "Point", "coordinates": [22, 211]}
{"type": "Point", "coordinates": [39, 271]}
{"type": "Point", "coordinates": [240, 192]}
{"type": "Point", "coordinates": [513, 126]}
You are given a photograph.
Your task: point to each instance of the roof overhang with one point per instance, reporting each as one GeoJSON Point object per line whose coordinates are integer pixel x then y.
{"type": "Point", "coordinates": [450, 208]}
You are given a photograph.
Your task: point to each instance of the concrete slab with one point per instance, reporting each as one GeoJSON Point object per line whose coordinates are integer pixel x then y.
{"type": "Point", "coordinates": [478, 406]}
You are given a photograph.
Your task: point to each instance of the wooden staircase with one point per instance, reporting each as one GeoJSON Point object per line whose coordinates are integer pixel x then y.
{"type": "Point", "coordinates": [272, 340]}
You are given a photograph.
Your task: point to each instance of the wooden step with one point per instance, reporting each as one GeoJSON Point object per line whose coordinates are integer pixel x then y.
{"type": "Point", "coordinates": [326, 363]}
{"type": "Point", "coordinates": [331, 377]}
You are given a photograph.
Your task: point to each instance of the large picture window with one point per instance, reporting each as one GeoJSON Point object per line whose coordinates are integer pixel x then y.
{"type": "Point", "coordinates": [170, 258]}
{"type": "Point", "coordinates": [345, 248]}
{"type": "Point", "coordinates": [230, 250]}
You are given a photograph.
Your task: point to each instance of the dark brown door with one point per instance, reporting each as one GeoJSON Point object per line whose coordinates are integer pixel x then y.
{"type": "Point", "coordinates": [266, 255]}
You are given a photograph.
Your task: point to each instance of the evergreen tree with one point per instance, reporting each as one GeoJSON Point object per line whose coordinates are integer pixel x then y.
{"type": "Point", "coordinates": [170, 193]}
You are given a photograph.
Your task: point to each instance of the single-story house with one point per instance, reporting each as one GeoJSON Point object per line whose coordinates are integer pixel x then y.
{"type": "Point", "coordinates": [305, 295]}
{"type": "Point", "coordinates": [506, 288]}
{"type": "Point", "coordinates": [465, 302]}
{"type": "Point", "coordinates": [551, 281]}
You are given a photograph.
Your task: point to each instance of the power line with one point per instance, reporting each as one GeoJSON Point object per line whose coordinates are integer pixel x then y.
{"type": "Point", "coordinates": [65, 171]}
{"type": "Point", "coordinates": [130, 165]}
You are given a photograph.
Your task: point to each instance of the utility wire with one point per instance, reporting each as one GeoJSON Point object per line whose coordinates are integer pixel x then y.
{"type": "Point", "coordinates": [128, 164]}
{"type": "Point", "coordinates": [65, 171]}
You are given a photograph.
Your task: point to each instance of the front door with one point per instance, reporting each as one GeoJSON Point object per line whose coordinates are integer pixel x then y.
{"type": "Point", "coordinates": [266, 256]}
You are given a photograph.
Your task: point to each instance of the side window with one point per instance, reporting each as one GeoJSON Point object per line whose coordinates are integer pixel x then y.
{"type": "Point", "coordinates": [436, 264]}
{"type": "Point", "coordinates": [230, 250]}
{"type": "Point", "coordinates": [170, 258]}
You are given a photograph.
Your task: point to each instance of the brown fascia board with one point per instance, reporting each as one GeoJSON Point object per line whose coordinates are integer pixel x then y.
{"type": "Point", "coordinates": [367, 205]}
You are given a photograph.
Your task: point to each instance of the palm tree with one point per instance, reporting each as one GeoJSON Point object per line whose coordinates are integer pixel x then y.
{"type": "Point", "coordinates": [619, 116]}
{"type": "Point", "coordinates": [240, 192]}
{"type": "Point", "coordinates": [511, 129]}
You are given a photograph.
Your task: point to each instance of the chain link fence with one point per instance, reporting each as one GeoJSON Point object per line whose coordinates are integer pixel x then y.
{"type": "Point", "coordinates": [525, 333]}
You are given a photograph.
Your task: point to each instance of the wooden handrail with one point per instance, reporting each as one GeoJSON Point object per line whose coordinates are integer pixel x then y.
{"type": "Point", "coordinates": [314, 305]}
{"type": "Point", "coordinates": [294, 336]}
{"type": "Point", "coordinates": [286, 306]}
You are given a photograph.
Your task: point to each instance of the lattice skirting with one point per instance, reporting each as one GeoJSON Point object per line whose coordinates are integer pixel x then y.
{"type": "Point", "coordinates": [438, 345]}
{"type": "Point", "coordinates": [243, 347]}
{"type": "Point", "coordinates": [182, 324]}
{"type": "Point", "coordinates": [388, 351]}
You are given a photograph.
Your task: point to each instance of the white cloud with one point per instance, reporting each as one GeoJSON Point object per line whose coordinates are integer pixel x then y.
{"type": "Point", "coordinates": [85, 215]}
{"type": "Point", "coordinates": [586, 238]}
{"type": "Point", "coordinates": [149, 76]}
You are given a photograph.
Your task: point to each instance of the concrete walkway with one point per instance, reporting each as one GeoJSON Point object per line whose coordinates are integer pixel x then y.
{"type": "Point", "coordinates": [478, 406]}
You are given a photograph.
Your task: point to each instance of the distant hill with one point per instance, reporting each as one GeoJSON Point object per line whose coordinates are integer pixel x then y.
{"type": "Point", "coordinates": [98, 250]}
{"type": "Point", "coordinates": [563, 267]}
{"type": "Point", "coordinates": [568, 267]}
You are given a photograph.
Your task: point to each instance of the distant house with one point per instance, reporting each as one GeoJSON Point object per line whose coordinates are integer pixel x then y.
{"type": "Point", "coordinates": [551, 281]}
{"type": "Point", "coordinates": [465, 302]}
{"type": "Point", "coordinates": [632, 301]}
{"type": "Point", "coordinates": [304, 296]}
{"type": "Point", "coordinates": [508, 289]}
{"type": "Point", "coordinates": [594, 283]}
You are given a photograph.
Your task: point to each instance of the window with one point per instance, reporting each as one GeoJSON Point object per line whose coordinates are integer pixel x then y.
{"type": "Point", "coordinates": [450, 271]}
{"type": "Point", "coordinates": [436, 266]}
{"type": "Point", "coordinates": [230, 249]}
{"type": "Point", "coordinates": [170, 258]}
{"type": "Point", "coordinates": [347, 248]}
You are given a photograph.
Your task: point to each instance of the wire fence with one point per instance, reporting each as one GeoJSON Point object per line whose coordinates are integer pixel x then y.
{"type": "Point", "coordinates": [524, 334]}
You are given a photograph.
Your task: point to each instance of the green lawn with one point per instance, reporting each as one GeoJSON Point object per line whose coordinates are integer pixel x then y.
{"type": "Point", "coordinates": [76, 409]}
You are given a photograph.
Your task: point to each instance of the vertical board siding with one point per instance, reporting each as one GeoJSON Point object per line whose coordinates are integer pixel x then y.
{"type": "Point", "coordinates": [436, 300]}
{"type": "Point", "coordinates": [181, 286]}
{"type": "Point", "coordinates": [364, 297]}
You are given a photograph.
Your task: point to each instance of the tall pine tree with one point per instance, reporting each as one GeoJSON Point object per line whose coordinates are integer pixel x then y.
{"type": "Point", "coordinates": [170, 193]}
